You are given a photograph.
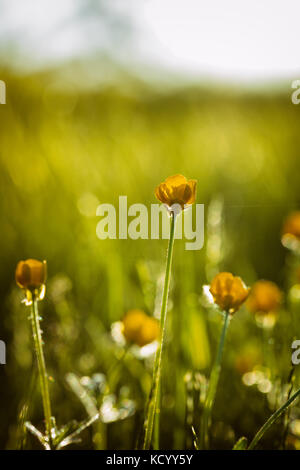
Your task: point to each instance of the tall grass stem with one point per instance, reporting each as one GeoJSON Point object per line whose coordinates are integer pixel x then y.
{"type": "Point", "coordinates": [271, 420]}
{"type": "Point", "coordinates": [153, 400]}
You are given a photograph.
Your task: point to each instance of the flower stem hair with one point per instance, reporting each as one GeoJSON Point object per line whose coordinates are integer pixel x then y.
{"type": "Point", "coordinates": [38, 344]}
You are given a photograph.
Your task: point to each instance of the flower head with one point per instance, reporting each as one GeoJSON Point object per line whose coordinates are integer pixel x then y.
{"type": "Point", "coordinates": [228, 291]}
{"type": "Point", "coordinates": [265, 297]}
{"type": "Point", "coordinates": [176, 190]}
{"type": "Point", "coordinates": [139, 328]}
{"type": "Point", "coordinates": [291, 231]}
{"type": "Point", "coordinates": [31, 275]}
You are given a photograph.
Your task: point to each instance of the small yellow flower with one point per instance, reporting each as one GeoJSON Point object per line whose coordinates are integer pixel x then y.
{"type": "Point", "coordinates": [292, 224]}
{"type": "Point", "coordinates": [265, 297]}
{"type": "Point", "coordinates": [132, 322]}
{"type": "Point", "coordinates": [291, 231]}
{"type": "Point", "coordinates": [149, 332]}
{"type": "Point", "coordinates": [228, 291]}
{"type": "Point", "coordinates": [176, 190]}
{"type": "Point", "coordinates": [31, 276]}
{"type": "Point", "coordinates": [139, 328]}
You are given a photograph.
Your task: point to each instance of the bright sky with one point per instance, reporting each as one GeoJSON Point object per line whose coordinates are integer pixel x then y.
{"type": "Point", "coordinates": [239, 39]}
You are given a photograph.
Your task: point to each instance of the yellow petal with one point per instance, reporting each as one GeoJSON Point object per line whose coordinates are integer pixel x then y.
{"type": "Point", "coordinates": [175, 180]}
{"type": "Point", "coordinates": [192, 184]}
{"type": "Point", "coordinates": [228, 291]}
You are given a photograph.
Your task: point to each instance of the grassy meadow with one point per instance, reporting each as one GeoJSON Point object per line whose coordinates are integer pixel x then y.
{"type": "Point", "coordinates": [65, 150]}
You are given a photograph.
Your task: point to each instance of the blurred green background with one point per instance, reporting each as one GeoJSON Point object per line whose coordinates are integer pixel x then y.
{"type": "Point", "coordinates": [64, 149]}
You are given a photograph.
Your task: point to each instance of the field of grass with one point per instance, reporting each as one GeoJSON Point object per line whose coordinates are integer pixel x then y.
{"type": "Point", "coordinates": [65, 151]}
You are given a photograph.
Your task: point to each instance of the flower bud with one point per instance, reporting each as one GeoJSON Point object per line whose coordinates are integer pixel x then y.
{"type": "Point", "coordinates": [31, 275]}
{"type": "Point", "coordinates": [139, 328]}
{"type": "Point", "coordinates": [265, 297]}
{"type": "Point", "coordinates": [176, 190]}
{"type": "Point", "coordinates": [228, 291]}
{"type": "Point", "coordinates": [291, 231]}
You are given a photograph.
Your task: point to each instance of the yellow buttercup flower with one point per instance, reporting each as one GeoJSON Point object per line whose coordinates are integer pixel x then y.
{"type": "Point", "coordinates": [265, 297]}
{"type": "Point", "coordinates": [176, 190]}
{"type": "Point", "coordinates": [148, 332]}
{"type": "Point", "coordinates": [228, 291]}
{"type": "Point", "coordinates": [132, 322]}
{"type": "Point", "coordinates": [292, 224]}
{"type": "Point", "coordinates": [31, 276]}
{"type": "Point", "coordinates": [139, 328]}
{"type": "Point", "coordinates": [291, 231]}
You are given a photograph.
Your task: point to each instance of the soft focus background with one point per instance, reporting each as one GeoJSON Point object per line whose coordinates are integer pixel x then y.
{"type": "Point", "coordinates": [107, 99]}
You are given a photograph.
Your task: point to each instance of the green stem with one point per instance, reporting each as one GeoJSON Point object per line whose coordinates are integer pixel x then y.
{"type": "Point", "coordinates": [38, 343]}
{"type": "Point", "coordinates": [272, 419]}
{"type": "Point", "coordinates": [212, 388]}
{"type": "Point", "coordinates": [152, 405]}
{"type": "Point", "coordinates": [157, 420]}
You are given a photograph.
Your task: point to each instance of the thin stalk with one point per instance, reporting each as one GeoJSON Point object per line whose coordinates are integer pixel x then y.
{"type": "Point", "coordinates": [272, 419]}
{"type": "Point", "coordinates": [212, 388]}
{"type": "Point", "coordinates": [152, 405]}
{"type": "Point", "coordinates": [38, 343]}
{"type": "Point", "coordinates": [157, 420]}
